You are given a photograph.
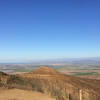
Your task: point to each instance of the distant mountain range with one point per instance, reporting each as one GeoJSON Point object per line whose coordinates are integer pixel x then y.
{"type": "Point", "coordinates": [89, 60]}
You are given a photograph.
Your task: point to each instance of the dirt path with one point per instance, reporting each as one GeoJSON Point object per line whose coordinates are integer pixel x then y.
{"type": "Point", "coordinates": [17, 94]}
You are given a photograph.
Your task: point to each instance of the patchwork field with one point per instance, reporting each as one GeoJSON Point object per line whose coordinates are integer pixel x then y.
{"type": "Point", "coordinates": [87, 73]}
{"type": "Point", "coordinates": [91, 71]}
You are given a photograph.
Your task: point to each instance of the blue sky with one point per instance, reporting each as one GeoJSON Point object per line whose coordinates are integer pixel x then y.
{"type": "Point", "coordinates": [43, 29]}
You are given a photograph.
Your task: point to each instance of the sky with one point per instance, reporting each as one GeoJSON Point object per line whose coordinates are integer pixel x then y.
{"type": "Point", "coordinates": [48, 29]}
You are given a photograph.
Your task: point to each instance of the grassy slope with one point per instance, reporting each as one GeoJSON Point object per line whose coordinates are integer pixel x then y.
{"type": "Point", "coordinates": [51, 82]}
{"type": "Point", "coordinates": [17, 94]}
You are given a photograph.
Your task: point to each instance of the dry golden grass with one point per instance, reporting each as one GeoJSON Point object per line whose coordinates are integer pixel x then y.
{"type": "Point", "coordinates": [17, 94]}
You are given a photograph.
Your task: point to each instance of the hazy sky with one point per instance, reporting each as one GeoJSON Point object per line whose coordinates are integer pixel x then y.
{"type": "Point", "coordinates": [41, 29]}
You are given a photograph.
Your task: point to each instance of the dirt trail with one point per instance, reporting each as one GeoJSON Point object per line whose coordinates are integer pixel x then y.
{"type": "Point", "coordinates": [17, 94]}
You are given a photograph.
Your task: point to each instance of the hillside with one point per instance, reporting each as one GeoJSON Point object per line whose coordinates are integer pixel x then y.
{"type": "Point", "coordinates": [49, 81]}
{"type": "Point", "coordinates": [18, 94]}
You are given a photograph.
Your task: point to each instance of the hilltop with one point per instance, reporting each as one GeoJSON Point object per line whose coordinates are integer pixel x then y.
{"type": "Point", "coordinates": [48, 81]}
{"type": "Point", "coordinates": [43, 70]}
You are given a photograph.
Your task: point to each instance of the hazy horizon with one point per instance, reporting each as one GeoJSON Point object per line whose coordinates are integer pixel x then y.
{"type": "Point", "coordinates": [32, 61]}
